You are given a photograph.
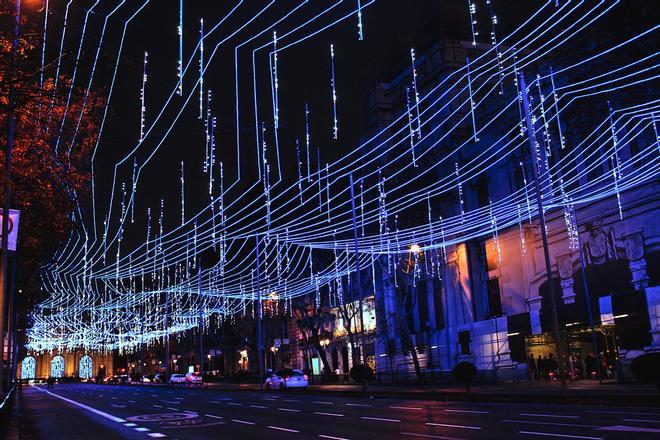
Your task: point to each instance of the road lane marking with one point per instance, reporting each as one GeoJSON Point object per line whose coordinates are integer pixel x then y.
{"type": "Point", "coordinates": [131, 401]}
{"type": "Point", "coordinates": [282, 429]}
{"type": "Point", "coordinates": [172, 409]}
{"type": "Point", "coordinates": [156, 435]}
{"type": "Point", "coordinates": [414, 434]}
{"type": "Point", "coordinates": [258, 406]}
{"type": "Point", "coordinates": [535, 422]}
{"type": "Point", "coordinates": [556, 416]}
{"type": "Point", "coordinates": [624, 428]}
{"type": "Point", "coordinates": [268, 398]}
{"type": "Point", "coordinates": [331, 437]}
{"type": "Point", "coordinates": [158, 406]}
{"type": "Point", "coordinates": [130, 424]}
{"type": "Point", "coordinates": [245, 422]}
{"type": "Point", "coordinates": [465, 411]}
{"type": "Point", "coordinates": [234, 404]}
{"type": "Point", "coordinates": [629, 413]}
{"type": "Point", "coordinates": [322, 403]}
{"type": "Point", "coordinates": [213, 416]}
{"type": "Point", "coordinates": [359, 404]}
{"type": "Point", "coordinates": [328, 414]}
{"type": "Point", "coordinates": [83, 406]}
{"type": "Point", "coordinates": [140, 429]}
{"type": "Point", "coordinates": [551, 434]}
{"type": "Point", "coordinates": [415, 408]}
{"type": "Point", "coordinates": [289, 409]}
{"type": "Point", "coordinates": [447, 425]}
{"type": "Point", "coordinates": [380, 419]}
{"type": "Point", "coordinates": [641, 420]}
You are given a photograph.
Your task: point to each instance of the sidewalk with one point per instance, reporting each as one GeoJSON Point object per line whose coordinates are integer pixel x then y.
{"type": "Point", "coordinates": [581, 392]}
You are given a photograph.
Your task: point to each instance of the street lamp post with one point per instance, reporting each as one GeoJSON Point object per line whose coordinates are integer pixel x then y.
{"type": "Point", "coordinates": [533, 146]}
{"type": "Point", "coordinates": [4, 370]}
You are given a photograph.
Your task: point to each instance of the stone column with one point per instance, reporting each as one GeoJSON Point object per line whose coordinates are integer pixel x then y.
{"type": "Point", "coordinates": [565, 269]}
{"type": "Point", "coordinates": [634, 245]}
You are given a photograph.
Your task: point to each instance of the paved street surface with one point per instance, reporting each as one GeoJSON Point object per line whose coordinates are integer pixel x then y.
{"type": "Point", "coordinates": [77, 411]}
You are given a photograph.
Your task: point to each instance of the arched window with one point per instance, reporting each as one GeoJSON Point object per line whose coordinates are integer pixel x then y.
{"type": "Point", "coordinates": [57, 367]}
{"type": "Point", "coordinates": [28, 367]}
{"type": "Point", "coordinates": [85, 367]}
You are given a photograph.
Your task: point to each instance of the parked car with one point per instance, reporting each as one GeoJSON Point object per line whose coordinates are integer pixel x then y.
{"type": "Point", "coordinates": [195, 378]}
{"type": "Point", "coordinates": [111, 379]}
{"type": "Point", "coordinates": [178, 378]}
{"type": "Point", "coordinates": [124, 379]}
{"type": "Point", "coordinates": [287, 379]}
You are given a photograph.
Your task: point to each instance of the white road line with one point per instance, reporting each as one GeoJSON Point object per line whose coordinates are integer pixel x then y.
{"type": "Point", "coordinates": [172, 409]}
{"type": "Point", "coordinates": [267, 398]}
{"type": "Point", "coordinates": [212, 416]}
{"type": "Point", "coordinates": [414, 434]}
{"type": "Point", "coordinates": [380, 419]}
{"type": "Point", "coordinates": [556, 416]}
{"type": "Point", "coordinates": [214, 401]}
{"type": "Point", "coordinates": [245, 422]}
{"type": "Point", "coordinates": [158, 406]}
{"type": "Point", "coordinates": [465, 411]}
{"type": "Point", "coordinates": [359, 404]}
{"type": "Point", "coordinates": [292, 400]}
{"type": "Point", "coordinates": [156, 435]}
{"type": "Point", "coordinates": [626, 428]}
{"type": "Point", "coordinates": [330, 437]}
{"type": "Point", "coordinates": [415, 408]}
{"type": "Point", "coordinates": [130, 424]}
{"type": "Point", "coordinates": [282, 429]}
{"type": "Point", "coordinates": [641, 420]}
{"type": "Point", "coordinates": [289, 409]}
{"type": "Point", "coordinates": [105, 415]}
{"type": "Point", "coordinates": [258, 406]}
{"type": "Point", "coordinates": [140, 429]}
{"type": "Point", "coordinates": [328, 414]}
{"type": "Point", "coordinates": [447, 425]}
{"type": "Point", "coordinates": [234, 404]}
{"type": "Point", "coordinates": [322, 403]}
{"type": "Point", "coordinates": [624, 412]}
{"type": "Point", "coordinates": [550, 434]}
{"type": "Point", "coordinates": [534, 422]}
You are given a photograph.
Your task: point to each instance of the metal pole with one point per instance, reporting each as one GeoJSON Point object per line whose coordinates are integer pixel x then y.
{"type": "Point", "coordinates": [7, 205]}
{"type": "Point", "coordinates": [260, 342]}
{"type": "Point", "coordinates": [167, 336]}
{"type": "Point", "coordinates": [201, 327]}
{"type": "Point", "coordinates": [588, 298]}
{"type": "Point", "coordinates": [531, 136]}
{"type": "Point", "coordinates": [11, 327]}
{"type": "Point", "coordinates": [357, 267]}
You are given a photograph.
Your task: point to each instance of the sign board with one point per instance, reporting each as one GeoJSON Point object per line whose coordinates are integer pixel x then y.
{"type": "Point", "coordinates": [277, 343]}
{"type": "Point", "coordinates": [285, 342]}
{"type": "Point", "coordinates": [14, 217]}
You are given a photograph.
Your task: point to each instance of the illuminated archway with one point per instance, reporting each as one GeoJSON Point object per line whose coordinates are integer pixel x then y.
{"type": "Point", "coordinates": [28, 367]}
{"type": "Point", "coordinates": [85, 367]}
{"type": "Point", "coordinates": [57, 367]}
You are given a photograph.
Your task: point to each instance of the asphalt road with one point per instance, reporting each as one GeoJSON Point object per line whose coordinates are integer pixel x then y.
{"type": "Point", "coordinates": [98, 412]}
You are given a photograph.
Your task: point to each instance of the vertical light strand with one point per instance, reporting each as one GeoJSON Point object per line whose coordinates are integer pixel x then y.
{"type": "Point", "coordinates": [521, 126]}
{"type": "Point", "coordinates": [544, 120]}
{"type": "Point", "coordinates": [327, 188]}
{"type": "Point", "coordinates": [460, 193]}
{"type": "Point", "coordinates": [201, 68]}
{"type": "Point", "coordinates": [555, 99]}
{"type": "Point", "coordinates": [183, 200]}
{"type": "Point", "coordinates": [212, 157]}
{"type": "Point", "coordinates": [299, 170]}
{"type": "Point", "coordinates": [523, 250]}
{"type": "Point", "coordinates": [307, 141]}
{"type": "Point", "coordinates": [359, 17]}
{"type": "Point", "coordinates": [143, 90]}
{"type": "Point", "coordinates": [335, 124]}
{"type": "Point", "coordinates": [415, 91]}
{"type": "Point", "coordinates": [318, 178]}
{"type": "Point", "coordinates": [493, 40]}
{"type": "Point", "coordinates": [616, 177]}
{"type": "Point", "coordinates": [362, 205]}
{"type": "Point", "coordinates": [276, 85]}
{"type": "Point", "coordinates": [616, 164]}
{"type": "Point", "coordinates": [180, 61]}
{"type": "Point", "coordinates": [133, 189]}
{"type": "Point", "coordinates": [474, 121]}
{"type": "Point", "coordinates": [472, 8]}
{"type": "Point", "coordinates": [411, 130]}
{"type": "Point", "coordinates": [529, 207]}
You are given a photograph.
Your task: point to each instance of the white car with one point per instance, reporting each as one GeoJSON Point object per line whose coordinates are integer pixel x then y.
{"type": "Point", "coordinates": [194, 378]}
{"type": "Point", "coordinates": [287, 379]}
{"type": "Point", "coordinates": [178, 378]}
